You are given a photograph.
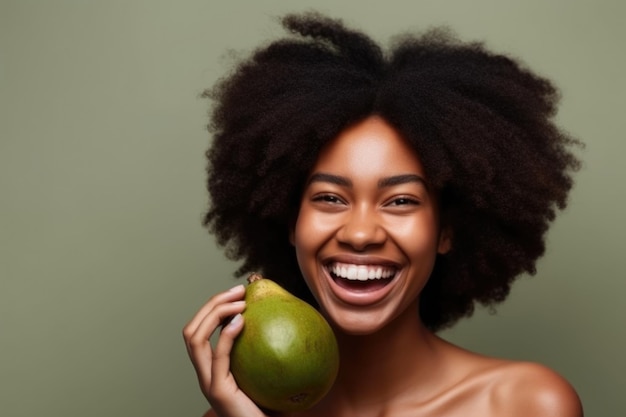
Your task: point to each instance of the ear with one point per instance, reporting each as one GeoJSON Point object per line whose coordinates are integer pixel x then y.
{"type": "Point", "coordinates": [445, 241]}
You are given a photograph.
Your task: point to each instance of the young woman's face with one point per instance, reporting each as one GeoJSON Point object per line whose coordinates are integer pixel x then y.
{"type": "Point", "coordinates": [367, 232]}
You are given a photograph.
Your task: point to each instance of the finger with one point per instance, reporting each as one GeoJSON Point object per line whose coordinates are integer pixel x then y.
{"type": "Point", "coordinates": [221, 356]}
{"type": "Point", "coordinates": [235, 293]}
{"type": "Point", "coordinates": [199, 346]}
{"type": "Point", "coordinates": [199, 340]}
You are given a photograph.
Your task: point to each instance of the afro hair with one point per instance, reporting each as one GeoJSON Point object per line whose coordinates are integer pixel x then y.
{"type": "Point", "coordinates": [481, 123]}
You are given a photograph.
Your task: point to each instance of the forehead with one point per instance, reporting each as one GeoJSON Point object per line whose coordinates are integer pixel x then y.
{"type": "Point", "coordinates": [371, 146]}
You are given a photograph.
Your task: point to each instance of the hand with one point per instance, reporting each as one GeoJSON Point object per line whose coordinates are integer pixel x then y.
{"type": "Point", "coordinates": [213, 365]}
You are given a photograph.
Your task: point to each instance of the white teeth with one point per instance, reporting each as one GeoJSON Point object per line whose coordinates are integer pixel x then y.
{"type": "Point", "coordinates": [361, 272]}
{"type": "Point", "coordinates": [352, 272]}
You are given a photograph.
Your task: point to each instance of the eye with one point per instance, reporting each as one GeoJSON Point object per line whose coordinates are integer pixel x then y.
{"type": "Point", "coordinates": [402, 204]}
{"type": "Point", "coordinates": [403, 201]}
{"type": "Point", "coordinates": [328, 199]}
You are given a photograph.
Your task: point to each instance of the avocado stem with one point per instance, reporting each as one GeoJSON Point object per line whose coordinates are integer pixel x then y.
{"type": "Point", "coordinates": [254, 277]}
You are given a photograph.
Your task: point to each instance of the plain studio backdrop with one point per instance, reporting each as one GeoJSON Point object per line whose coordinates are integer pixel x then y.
{"type": "Point", "coordinates": [103, 258]}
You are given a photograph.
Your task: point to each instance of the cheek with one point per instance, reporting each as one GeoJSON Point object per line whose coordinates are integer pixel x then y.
{"type": "Point", "coordinates": [312, 229]}
{"type": "Point", "coordinates": [415, 236]}
{"type": "Point", "coordinates": [305, 241]}
{"type": "Point", "coordinates": [311, 234]}
{"type": "Point", "coordinates": [305, 236]}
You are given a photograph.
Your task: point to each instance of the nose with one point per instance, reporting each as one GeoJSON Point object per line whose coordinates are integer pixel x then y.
{"type": "Point", "coordinates": [361, 229]}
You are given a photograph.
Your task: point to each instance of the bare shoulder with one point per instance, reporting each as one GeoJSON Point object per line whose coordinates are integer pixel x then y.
{"type": "Point", "coordinates": [530, 389]}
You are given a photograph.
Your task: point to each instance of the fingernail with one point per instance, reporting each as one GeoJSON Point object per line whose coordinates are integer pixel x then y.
{"type": "Point", "coordinates": [237, 318]}
{"type": "Point", "coordinates": [236, 288]}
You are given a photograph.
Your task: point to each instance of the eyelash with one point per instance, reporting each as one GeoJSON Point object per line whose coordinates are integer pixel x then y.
{"type": "Point", "coordinates": [328, 198]}
{"type": "Point", "coordinates": [399, 201]}
{"type": "Point", "coordinates": [403, 201]}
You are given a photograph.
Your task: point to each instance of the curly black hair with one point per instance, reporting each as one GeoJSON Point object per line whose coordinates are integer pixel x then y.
{"type": "Point", "coordinates": [481, 123]}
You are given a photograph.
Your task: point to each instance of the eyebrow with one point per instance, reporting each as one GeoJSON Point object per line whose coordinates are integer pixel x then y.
{"type": "Point", "coordinates": [401, 179]}
{"type": "Point", "coordinates": [333, 179]}
{"type": "Point", "coordinates": [382, 183]}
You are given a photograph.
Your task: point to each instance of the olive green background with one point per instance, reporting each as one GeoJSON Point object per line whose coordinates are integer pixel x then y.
{"type": "Point", "coordinates": [102, 254]}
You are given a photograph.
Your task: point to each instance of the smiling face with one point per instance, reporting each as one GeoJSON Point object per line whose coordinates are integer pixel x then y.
{"type": "Point", "coordinates": [367, 232]}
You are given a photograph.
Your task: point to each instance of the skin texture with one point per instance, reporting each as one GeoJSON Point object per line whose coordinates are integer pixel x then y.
{"type": "Point", "coordinates": [391, 363]}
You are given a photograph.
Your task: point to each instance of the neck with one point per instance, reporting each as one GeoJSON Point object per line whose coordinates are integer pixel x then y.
{"type": "Point", "coordinates": [379, 367]}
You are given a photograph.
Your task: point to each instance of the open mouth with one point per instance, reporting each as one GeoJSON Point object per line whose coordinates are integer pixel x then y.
{"type": "Point", "coordinates": [361, 278]}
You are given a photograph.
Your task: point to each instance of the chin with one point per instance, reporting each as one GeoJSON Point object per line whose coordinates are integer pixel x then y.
{"type": "Point", "coordinates": [356, 323]}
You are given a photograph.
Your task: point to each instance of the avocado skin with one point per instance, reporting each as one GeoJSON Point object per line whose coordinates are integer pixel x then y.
{"type": "Point", "coordinates": [286, 357]}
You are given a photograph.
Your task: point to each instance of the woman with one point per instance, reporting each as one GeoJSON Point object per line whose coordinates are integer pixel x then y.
{"type": "Point", "coordinates": [392, 191]}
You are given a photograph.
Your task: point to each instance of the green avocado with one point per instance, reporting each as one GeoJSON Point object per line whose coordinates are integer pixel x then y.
{"type": "Point", "coordinates": [286, 357]}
